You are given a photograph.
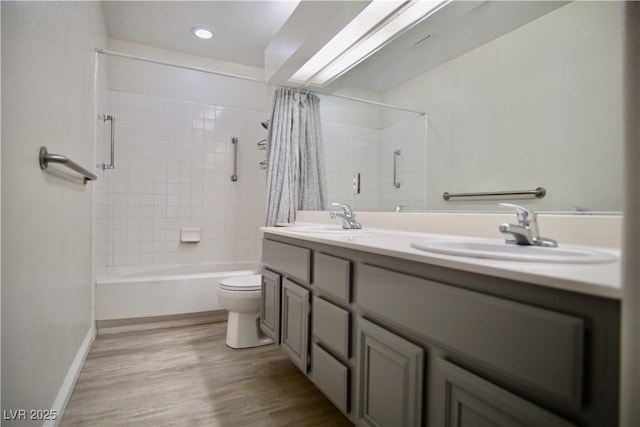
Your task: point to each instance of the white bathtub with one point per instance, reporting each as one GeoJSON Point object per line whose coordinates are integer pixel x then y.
{"type": "Point", "coordinates": [146, 291]}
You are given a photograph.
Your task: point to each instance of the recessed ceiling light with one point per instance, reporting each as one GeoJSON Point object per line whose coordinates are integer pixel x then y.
{"type": "Point", "coordinates": [202, 32]}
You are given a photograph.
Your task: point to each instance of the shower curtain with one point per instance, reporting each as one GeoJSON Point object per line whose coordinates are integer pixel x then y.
{"type": "Point", "coordinates": [296, 175]}
{"type": "Point", "coordinates": [313, 182]}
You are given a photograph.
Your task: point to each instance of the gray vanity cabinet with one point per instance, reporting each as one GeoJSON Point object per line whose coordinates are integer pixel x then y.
{"type": "Point", "coordinates": [390, 380]}
{"type": "Point", "coordinates": [270, 305]}
{"type": "Point", "coordinates": [393, 342]}
{"type": "Point", "coordinates": [461, 399]}
{"type": "Point", "coordinates": [294, 326]}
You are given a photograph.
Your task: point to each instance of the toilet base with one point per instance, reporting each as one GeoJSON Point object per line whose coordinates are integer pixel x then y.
{"type": "Point", "coordinates": [243, 331]}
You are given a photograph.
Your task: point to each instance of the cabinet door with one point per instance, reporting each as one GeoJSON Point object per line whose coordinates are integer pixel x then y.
{"type": "Point", "coordinates": [461, 399]}
{"type": "Point", "coordinates": [270, 305]}
{"type": "Point", "coordinates": [295, 323]}
{"type": "Point", "coordinates": [391, 378]}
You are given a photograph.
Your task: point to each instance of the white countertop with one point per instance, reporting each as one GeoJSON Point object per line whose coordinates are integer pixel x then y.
{"type": "Point", "coordinates": [601, 279]}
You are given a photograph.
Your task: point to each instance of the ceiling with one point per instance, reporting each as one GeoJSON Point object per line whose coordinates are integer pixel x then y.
{"type": "Point", "coordinates": [454, 30]}
{"type": "Point", "coordinates": [242, 29]}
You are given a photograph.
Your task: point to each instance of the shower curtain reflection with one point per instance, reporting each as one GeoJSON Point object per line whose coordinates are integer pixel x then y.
{"type": "Point", "coordinates": [313, 181]}
{"type": "Point", "coordinates": [296, 173]}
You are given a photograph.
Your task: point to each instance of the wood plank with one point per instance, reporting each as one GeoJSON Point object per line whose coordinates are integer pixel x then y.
{"type": "Point", "coordinates": [188, 376]}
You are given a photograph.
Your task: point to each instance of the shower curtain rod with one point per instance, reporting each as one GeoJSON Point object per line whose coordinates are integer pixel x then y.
{"type": "Point", "coordinates": [379, 104]}
{"type": "Point", "coordinates": [241, 77]}
{"type": "Point", "coordinates": [184, 67]}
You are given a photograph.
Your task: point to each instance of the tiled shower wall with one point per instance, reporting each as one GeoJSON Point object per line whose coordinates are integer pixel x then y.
{"type": "Point", "coordinates": [410, 136]}
{"type": "Point", "coordinates": [351, 149]}
{"type": "Point", "coordinates": [174, 160]}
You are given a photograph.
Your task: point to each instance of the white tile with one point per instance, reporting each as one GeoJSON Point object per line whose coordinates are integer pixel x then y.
{"type": "Point", "coordinates": [168, 175]}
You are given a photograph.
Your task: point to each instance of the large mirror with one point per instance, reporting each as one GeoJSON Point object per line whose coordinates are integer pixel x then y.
{"type": "Point", "coordinates": [513, 100]}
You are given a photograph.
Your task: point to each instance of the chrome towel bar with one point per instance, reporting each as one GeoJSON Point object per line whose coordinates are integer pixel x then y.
{"type": "Point", "coordinates": [45, 158]}
{"type": "Point", "coordinates": [112, 119]}
{"type": "Point", "coordinates": [396, 157]}
{"type": "Point", "coordinates": [539, 192]}
{"type": "Point", "coordinates": [234, 177]}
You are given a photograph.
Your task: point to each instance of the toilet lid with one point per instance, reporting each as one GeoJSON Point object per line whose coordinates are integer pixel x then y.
{"type": "Point", "coordinates": [242, 283]}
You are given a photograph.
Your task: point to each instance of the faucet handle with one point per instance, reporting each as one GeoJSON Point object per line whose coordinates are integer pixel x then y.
{"type": "Point", "coordinates": [346, 208]}
{"type": "Point", "coordinates": [524, 214]}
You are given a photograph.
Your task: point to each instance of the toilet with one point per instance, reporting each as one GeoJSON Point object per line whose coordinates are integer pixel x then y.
{"type": "Point", "coordinates": [240, 296]}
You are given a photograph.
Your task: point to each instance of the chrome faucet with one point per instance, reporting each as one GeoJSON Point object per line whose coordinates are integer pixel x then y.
{"type": "Point", "coordinates": [526, 232]}
{"type": "Point", "coordinates": [347, 216]}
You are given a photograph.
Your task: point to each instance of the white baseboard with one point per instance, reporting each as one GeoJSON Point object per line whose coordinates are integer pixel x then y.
{"type": "Point", "coordinates": [64, 394]}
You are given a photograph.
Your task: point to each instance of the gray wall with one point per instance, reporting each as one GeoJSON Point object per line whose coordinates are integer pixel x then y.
{"type": "Point", "coordinates": [48, 65]}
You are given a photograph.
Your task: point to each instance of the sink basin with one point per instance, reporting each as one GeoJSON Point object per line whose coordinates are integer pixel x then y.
{"type": "Point", "coordinates": [325, 229]}
{"type": "Point", "coordinates": [504, 251]}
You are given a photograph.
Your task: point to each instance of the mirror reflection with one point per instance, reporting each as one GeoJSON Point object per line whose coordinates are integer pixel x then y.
{"type": "Point", "coordinates": [540, 106]}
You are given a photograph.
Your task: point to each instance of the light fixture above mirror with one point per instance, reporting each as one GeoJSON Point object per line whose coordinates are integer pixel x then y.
{"type": "Point", "coordinates": [369, 31]}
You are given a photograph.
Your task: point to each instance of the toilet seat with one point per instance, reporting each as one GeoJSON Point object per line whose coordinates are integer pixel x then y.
{"type": "Point", "coordinates": [242, 283]}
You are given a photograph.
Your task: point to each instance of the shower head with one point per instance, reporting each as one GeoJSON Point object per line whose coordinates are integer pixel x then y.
{"type": "Point", "coordinates": [265, 124]}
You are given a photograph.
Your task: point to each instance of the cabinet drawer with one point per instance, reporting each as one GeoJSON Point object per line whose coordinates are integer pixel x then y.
{"type": "Point", "coordinates": [331, 326]}
{"type": "Point", "coordinates": [333, 276]}
{"type": "Point", "coordinates": [331, 377]}
{"type": "Point", "coordinates": [291, 260]}
{"type": "Point", "coordinates": [539, 348]}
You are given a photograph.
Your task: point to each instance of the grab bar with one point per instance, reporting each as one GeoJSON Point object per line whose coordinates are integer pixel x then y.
{"type": "Point", "coordinates": [539, 192]}
{"type": "Point", "coordinates": [104, 118]}
{"type": "Point", "coordinates": [45, 158]}
{"type": "Point", "coordinates": [234, 141]}
{"type": "Point", "coordinates": [396, 157]}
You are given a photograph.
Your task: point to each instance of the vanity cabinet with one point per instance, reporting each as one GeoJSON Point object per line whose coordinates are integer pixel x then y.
{"type": "Point", "coordinates": [395, 342]}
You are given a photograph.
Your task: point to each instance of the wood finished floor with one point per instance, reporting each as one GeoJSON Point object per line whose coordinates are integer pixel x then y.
{"type": "Point", "coordinates": [188, 377]}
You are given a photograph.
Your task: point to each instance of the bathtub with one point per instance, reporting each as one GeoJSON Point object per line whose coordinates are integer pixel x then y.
{"type": "Point", "coordinates": [141, 291]}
